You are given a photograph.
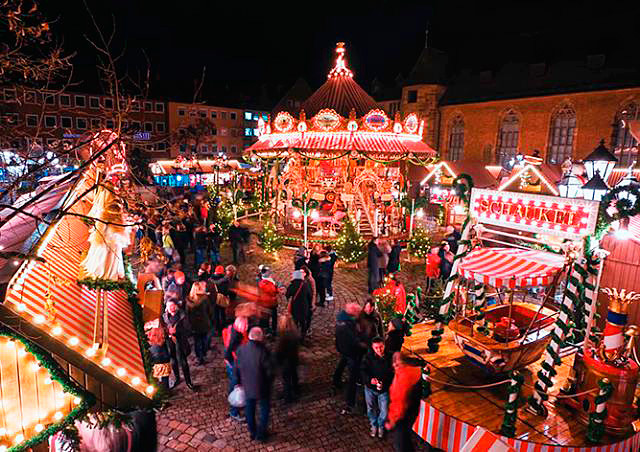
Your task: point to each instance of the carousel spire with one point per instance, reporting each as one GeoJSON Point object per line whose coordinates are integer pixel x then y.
{"type": "Point", "coordinates": [340, 69]}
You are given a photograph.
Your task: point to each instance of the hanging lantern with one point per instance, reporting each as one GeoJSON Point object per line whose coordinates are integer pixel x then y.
{"type": "Point", "coordinates": [600, 160]}
{"type": "Point", "coordinates": [570, 186]}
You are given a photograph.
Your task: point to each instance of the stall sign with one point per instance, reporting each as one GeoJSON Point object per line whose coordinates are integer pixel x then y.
{"type": "Point", "coordinates": [439, 195]}
{"type": "Point", "coordinates": [562, 217]}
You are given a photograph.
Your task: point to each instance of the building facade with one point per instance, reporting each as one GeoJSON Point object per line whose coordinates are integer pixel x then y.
{"type": "Point", "coordinates": [51, 121]}
{"type": "Point", "coordinates": [561, 110]}
{"type": "Point", "coordinates": [207, 130]}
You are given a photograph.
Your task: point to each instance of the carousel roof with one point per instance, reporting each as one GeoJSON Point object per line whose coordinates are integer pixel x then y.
{"type": "Point", "coordinates": [345, 119]}
{"type": "Point", "coordinates": [340, 92]}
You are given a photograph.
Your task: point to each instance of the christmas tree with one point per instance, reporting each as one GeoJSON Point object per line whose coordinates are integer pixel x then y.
{"type": "Point", "coordinates": [420, 243]}
{"type": "Point", "coordinates": [269, 239]}
{"type": "Point", "coordinates": [350, 246]}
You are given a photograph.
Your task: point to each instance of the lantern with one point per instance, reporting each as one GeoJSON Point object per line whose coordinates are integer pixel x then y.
{"type": "Point", "coordinates": [600, 160]}
{"type": "Point", "coordinates": [570, 186]}
{"type": "Point", "coordinates": [627, 183]}
{"type": "Point", "coordinates": [595, 188]}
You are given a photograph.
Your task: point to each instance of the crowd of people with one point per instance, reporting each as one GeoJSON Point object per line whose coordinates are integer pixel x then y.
{"type": "Point", "coordinates": [264, 323]}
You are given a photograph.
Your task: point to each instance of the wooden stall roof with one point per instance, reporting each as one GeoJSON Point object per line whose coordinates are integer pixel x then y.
{"type": "Point", "coordinates": [481, 176]}
{"type": "Point", "coordinates": [40, 290]}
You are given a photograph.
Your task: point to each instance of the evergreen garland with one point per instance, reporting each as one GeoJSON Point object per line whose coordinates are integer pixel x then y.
{"type": "Point", "coordinates": [595, 429]}
{"type": "Point", "coordinates": [508, 427]}
{"type": "Point", "coordinates": [350, 246]}
{"type": "Point", "coordinates": [59, 375]}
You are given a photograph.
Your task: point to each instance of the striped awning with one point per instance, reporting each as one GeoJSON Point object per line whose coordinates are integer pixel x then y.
{"type": "Point", "coordinates": [40, 290]}
{"type": "Point", "coordinates": [511, 267]}
{"type": "Point", "coordinates": [381, 143]}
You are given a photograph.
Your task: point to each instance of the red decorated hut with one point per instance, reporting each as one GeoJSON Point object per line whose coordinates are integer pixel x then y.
{"type": "Point", "coordinates": [341, 155]}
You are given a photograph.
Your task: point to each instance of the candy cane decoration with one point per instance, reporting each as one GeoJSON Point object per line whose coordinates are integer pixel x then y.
{"type": "Point", "coordinates": [511, 408]}
{"type": "Point", "coordinates": [595, 429]}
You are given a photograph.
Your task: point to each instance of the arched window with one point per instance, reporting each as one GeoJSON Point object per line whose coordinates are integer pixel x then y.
{"type": "Point", "coordinates": [625, 147]}
{"type": "Point", "coordinates": [508, 136]}
{"type": "Point", "coordinates": [561, 135]}
{"type": "Point", "coordinates": [456, 139]}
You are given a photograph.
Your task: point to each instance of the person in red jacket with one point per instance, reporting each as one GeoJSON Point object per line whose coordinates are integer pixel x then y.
{"type": "Point", "coordinates": [404, 406]}
{"type": "Point", "coordinates": [268, 296]}
{"type": "Point", "coordinates": [433, 266]}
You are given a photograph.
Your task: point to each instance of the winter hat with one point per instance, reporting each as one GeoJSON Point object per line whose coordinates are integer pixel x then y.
{"type": "Point", "coordinates": [219, 270]}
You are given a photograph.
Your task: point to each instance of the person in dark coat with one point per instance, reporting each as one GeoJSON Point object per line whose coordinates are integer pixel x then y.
{"type": "Point", "coordinates": [452, 237]}
{"type": "Point", "coordinates": [200, 245]}
{"type": "Point", "coordinates": [300, 258]}
{"type": "Point", "coordinates": [314, 264]}
{"type": "Point", "coordinates": [213, 244]}
{"type": "Point", "coordinates": [333, 258]}
{"type": "Point", "coordinates": [373, 264]}
{"type": "Point", "coordinates": [200, 316]}
{"type": "Point", "coordinates": [286, 353]}
{"type": "Point", "coordinates": [394, 257]}
{"type": "Point", "coordinates": [446, 260]}
{"type": "Point", "coordinates": [351, 348]}
{"type": "Point", "coordinates": [221, 283]}
{"type": "Point", "coordinates": [237, 239]}
{"type": "Point", "coordinates": [299, 295]}
{"type": "Point", "coordinates": [369, 322]}
{"type": "Point", "coordinates": [254, 372]}
{"type": "Point", "coordinates": [177, 332]}
{"type": "Point", "coordinates": [325, 269]}
{"type": "Point", "coordinates": [395, 336]}
{"type": "Point", "coordinates": [181, 240]}
{"type": "Point", "coordinates": [377, 373]}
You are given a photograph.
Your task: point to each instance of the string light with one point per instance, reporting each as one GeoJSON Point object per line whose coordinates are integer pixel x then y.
{"type": "Point", "coordinates": [19, 438]}
{"type": "Point", "coordinates": [91, 352]}
{"type": "Point", "coordinates": [150, 390]}
{"type": "Point", "coordinates": [22, 352]}
{"type": "Point", "coordinates": [122, 372]}
{"type": "Point", "coordinates": [48, 381]}
{"type": "Point", "coordinates": [135, 381]}
{"type": "Point", "coordinates": [106, 361]}
{"type": "Point", "coordinates": [39, 319]}
{"type": "Point", "coordinates": [77, 400]}
{"type": "Point", "coordinates": [74, 341]}
{"type": "Point", "coordinates": [56, 331]}
{"type": "Point", "coordinates": [3, 431]}
{"type": "Point", "coordinates": [57, 416]}
{"type": "Point", "coordinates": [38, 428]}
{"type": "Point", "coordinates": [11, 344]}
{"type": "Point", "coordinates": [21, 307]}
{"type": "Point", "coordinates": [35, 367]}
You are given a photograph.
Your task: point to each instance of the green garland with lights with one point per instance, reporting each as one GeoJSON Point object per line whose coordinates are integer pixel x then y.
{"type": "Point", "coordinates": [59, 375]}
{"type": "Point", "coordinates": [132, 297]}
{"type": "Point", "coordinates": [350, 246]}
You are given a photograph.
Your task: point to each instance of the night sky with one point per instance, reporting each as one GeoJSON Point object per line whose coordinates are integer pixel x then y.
{"type": "Point", "coordinates": [264, 47]}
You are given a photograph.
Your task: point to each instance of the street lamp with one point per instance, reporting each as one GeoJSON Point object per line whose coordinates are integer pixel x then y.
{"type": "Point", "coordinates": [306, 206]}
{"type": "Point", "coordinates": [570, 186]}
{"type": "Point", "coordinates": [600, 160]}
{"type": "Point", "coordinates": [595, 188]}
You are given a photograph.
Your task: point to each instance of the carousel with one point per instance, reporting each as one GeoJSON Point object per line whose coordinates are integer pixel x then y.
{"type": "Point", "coordinates": [339, 156]}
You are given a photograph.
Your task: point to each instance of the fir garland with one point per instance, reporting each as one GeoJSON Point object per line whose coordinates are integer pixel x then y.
{"type": "Point", "coordinates": [508, 427]}
{"type": "Point", "coordinates": [59, 375]}
{"type": "Point", "coordinates": [595, 429]}
{"type": "Point", "coordinates": [426, 384]}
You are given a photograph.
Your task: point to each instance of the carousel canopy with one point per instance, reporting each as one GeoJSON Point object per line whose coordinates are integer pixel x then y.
{"type": "Point", "coordinates": [343, 118]}
{"type": "Point", "coordinates": [340, 92]}
{"type": "Point", "coordinates": [511, 267]}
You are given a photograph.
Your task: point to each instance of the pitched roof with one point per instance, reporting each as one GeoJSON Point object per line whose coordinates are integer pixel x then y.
{"type": "Point", "coordinates": [429, 68]}
{"type": "Point", "coordinates": [340, 92]}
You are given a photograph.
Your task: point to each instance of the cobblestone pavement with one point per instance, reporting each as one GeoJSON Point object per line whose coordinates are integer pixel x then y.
{"type": "Point", "coordinates": [199, 421]}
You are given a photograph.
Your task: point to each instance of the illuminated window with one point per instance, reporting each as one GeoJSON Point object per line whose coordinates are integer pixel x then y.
{"type": "Point", "coordinates": [508, 136]}
{"type": "Point", "coordinates": [456, 139]}
{"type": "Point", "coordinates": [625, 147]}
{"type": "Point", "coordinates": [412, 96]}
{"type": "Point", "coordinates": [265, 117]}
{"type": "Point", "coordinates": [248, 115]}
{"type": "Point", "coordinates": [561, 135]}
{"type": "Point", "coordinates": [255, 132]}
{"type": "Point", "coordinates": [248, 132]}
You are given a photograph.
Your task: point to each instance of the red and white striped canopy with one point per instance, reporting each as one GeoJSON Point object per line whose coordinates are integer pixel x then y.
{"type": "Point", "coordinates": [511, 267]}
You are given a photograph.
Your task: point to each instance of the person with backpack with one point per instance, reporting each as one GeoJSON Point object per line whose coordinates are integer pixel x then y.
{"type": "Point", "coordinates": [233, 337]}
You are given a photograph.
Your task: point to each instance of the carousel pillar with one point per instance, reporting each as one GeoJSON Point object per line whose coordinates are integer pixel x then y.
{"type": "Point", "coordinates": [590, 294]}
{"type": "Point", "coordinates": [305, 224]}
{"type": "Point", "coordinates": [413, 206]}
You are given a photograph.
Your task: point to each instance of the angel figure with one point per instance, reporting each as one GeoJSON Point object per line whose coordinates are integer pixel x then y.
{"type": "Point", "coordinates": [107, 238]}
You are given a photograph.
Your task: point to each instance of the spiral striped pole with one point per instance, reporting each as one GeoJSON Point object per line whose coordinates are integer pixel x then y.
{"type": "Point", "coordinates": [511, 408]}
{"type": "Point", "coordinates": [595, 429]}
{"type": "Point", "coordinates": [552, 357]}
